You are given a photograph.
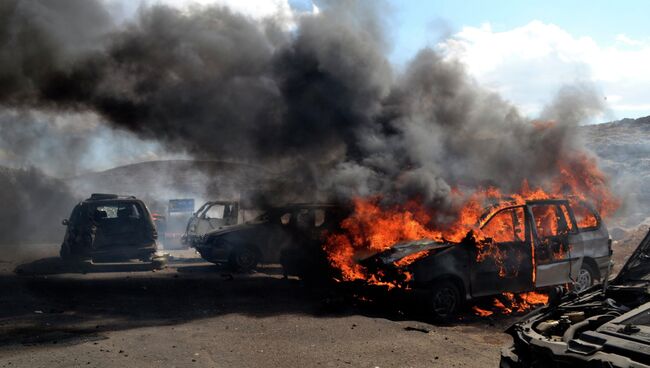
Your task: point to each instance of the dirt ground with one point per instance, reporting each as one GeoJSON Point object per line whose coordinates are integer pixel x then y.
{"type": "Point", "coordinates": [194, 314]}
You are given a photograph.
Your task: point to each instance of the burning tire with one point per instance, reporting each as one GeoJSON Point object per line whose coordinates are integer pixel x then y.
{"type": "Point", "coordinates": [244, 259]}
{"type": "Point", "coordinates": [445, 299]}
{"type": "Point", "coordinates": [586, 278]}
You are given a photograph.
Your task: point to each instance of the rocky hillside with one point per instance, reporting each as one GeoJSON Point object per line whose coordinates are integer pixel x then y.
{"type": "Point", "coordinates": [624, 150]}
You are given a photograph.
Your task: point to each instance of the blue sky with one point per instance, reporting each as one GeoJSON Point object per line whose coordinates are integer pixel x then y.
{"type": "Point", "coordinates": [418, 21]}
{"type": "Point", "coordinates": [601, 20]}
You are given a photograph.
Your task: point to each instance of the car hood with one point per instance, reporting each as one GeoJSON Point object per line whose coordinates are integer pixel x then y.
{"type": "Point", "coordinates": [404, 249]}
{"type": "Point", "coordinates": [231, 228]}
{"type": "Point", "coordinates": [637, 266]}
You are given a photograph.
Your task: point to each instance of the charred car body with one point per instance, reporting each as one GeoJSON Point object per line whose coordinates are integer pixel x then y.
{"type": "Point", "coordinates": [605, 326]}
{"type": "Point", "coordinates": [108, 228]}
{"type": "Point", "coordinates": [530, 246]}
{"type": "Point", "coordinates": [211, 216]}
{"type": "Point", "coordinates": [290, 235]}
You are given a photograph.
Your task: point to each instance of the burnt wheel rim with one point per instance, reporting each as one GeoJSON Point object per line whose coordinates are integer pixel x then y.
{"type": "Point", "coordinates": [246, 259]}
{"type": "Point", "coordinates": [584, 280]}
{"type": "Point", "coordinates": [444, 301]}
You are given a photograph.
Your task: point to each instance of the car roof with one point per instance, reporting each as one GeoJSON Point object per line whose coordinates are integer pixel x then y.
{"type": "Point", "coordinates": [109, 198]}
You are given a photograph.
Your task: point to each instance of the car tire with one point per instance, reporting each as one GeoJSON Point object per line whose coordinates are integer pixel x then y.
{"type": "Point", "coordinates": [244, 259]}
{"type": "Point", "coordinates": [445, 299]}
{"type": "Point", "coordinates": [158, 264]}
{"type": "Point", "coordinates": [586, 277]}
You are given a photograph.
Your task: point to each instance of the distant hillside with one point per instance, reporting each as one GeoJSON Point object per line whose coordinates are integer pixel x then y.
{"type": "Point", "coordinates": [158, 181]}
{"type": "Point", "coordinates": [624, 150]}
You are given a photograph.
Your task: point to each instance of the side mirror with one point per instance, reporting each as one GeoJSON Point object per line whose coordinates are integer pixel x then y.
{"type": "Point", "coordinates": [65, 222]}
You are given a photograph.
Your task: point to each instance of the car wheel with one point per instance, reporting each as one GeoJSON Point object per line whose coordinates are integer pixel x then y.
{"type": "Point", "coordinates": [158, 264]}
{"type": "Point", "coordinates": [445, 299]}
{"type": "Point", "coordinates": [244, 259]}
{"type": "Point", "coordinates": [586, 278]}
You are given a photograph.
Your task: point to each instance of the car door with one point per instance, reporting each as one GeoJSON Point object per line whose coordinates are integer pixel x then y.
{"type": "Point", "coordinates": [558, 251]}
{"type": "Point", "coordinates": [212, 216]}
{"type": "Point", "coordinates": [194, 223]}
{"type": "Point", "coordinates": [276, 234]}
{"type": "Point", "coordinates": [592, 233]}
{"type": "Point", "coordinates": [502, 255]}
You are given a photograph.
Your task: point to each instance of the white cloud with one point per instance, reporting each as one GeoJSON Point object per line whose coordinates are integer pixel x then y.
{"type": "Point", "coordinates": [628, 41]}
{"type": "Point", "coordinates": [528, 64]}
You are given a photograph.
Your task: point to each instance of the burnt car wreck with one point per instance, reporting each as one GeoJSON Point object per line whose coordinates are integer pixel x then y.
{"type": "Point", "coordinates": [524, 247]}
{"type": "Point", "coordinates": [110, 228]}
{"type": "Point", "coordinates": [290, 235]}
{"type": "Point", "coordinates": [605, 326]}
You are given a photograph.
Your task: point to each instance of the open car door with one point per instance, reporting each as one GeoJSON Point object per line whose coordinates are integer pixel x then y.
{"type": "Point", "coordinates": [503, 259]}
{"type": "Point", "coordinates": [558, 249]}
{"type": "Point", "coordinates": [213, 215]}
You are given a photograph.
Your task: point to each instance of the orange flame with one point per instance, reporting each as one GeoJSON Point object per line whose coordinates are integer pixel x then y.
{"type": "Point", "coordinates": [373, 227]}
{"type": "Point", "coordinates": [482, 312]}
{"type": "Point", "coordinates": [508, 303]}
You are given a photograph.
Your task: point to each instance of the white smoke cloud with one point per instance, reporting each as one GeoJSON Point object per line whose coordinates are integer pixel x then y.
{"type": "Point", "coordinates": [68, 143]}
{"type": "Point", "coordinates": [526, 64]}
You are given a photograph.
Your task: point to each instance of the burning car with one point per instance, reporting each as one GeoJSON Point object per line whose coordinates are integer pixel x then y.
{"type": "Point", "coordinates": [289, 235]}
{"type": "Point", "coordinates": [108, 228]}
{"type": "Point", "coordinates": [604, 326]}
{"type": "Point", "coordinates": [515, 248]}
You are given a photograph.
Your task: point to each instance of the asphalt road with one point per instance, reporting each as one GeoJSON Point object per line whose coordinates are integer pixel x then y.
{"type": "Point", "coordinates": [194, 314]}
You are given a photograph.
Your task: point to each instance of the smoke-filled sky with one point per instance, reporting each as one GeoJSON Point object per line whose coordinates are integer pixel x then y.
{"type": "Point", "coordinates": [316, 92]}
{"type": "Point", "coordinates": [503, 42]}
{"type": "Point", "coordinates": [524, 59]}
{"type": "Point", "coordinates": [313, 94]}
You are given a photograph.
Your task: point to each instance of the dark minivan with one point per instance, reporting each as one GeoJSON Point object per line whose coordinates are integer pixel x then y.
{"type": "Point", "coordinates": [110, 228]}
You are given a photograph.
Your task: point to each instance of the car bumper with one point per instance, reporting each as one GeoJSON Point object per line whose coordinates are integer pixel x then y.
{"type": "Point", "coordinates": [213, 254]}
{"type": "Point", "coordinates": [123, 253]}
